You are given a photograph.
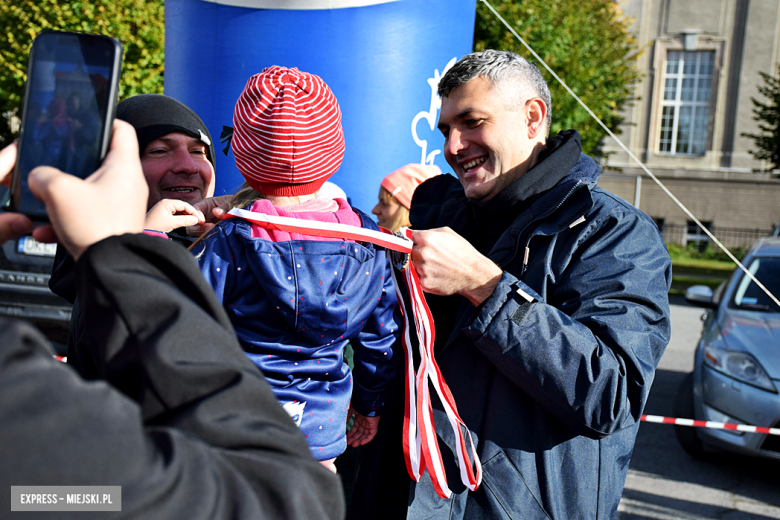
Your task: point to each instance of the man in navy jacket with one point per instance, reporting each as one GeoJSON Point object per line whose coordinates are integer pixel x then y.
{"type": "Point", "coordinates": [551, 309]}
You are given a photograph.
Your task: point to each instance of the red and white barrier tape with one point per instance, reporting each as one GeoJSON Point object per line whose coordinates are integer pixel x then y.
{"type": "Point", "coordinates": [421, 447]}
{"type": "Point", "coordinates": [710, 424]}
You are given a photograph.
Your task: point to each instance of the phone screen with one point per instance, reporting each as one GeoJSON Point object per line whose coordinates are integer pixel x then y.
{"type": "Point", "coordinates": [68, 109]}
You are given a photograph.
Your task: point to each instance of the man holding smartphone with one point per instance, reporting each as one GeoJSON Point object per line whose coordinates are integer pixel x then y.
{"type": "Point", "coordinates": [177, 159]}
{"type": "Point", "coordinates": [204, 440]}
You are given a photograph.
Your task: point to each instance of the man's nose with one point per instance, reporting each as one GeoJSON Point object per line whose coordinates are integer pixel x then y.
{"type": "Point", "coordinates": [185, 162]}
{"type": "Point", "coordinates": [454, 142]}
{"type": "Point", "coordinates": [376, 211]}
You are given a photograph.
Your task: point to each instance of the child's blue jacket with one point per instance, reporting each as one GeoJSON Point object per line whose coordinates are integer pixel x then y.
{"type": "Point", "coordinates": [295, 305]}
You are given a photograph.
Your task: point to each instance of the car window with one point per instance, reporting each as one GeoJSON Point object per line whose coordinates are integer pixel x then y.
{"type": "Point", "coordinates": [748, 295]}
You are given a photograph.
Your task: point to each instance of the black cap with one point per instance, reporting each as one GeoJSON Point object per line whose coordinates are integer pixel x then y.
{"type": "Point", "coordinates": [154, 115]}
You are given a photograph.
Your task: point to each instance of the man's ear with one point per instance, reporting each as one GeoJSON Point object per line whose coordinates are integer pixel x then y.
{"type": "Point", "coordinates": [537, 115]}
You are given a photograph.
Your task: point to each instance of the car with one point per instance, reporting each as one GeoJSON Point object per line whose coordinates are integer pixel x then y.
{"type": "Point", "coordinates": [25, 269]}
{"type": "Point", "coordinates": [776, 232]}
{"type": "Point", "coordinates": [736, 375]}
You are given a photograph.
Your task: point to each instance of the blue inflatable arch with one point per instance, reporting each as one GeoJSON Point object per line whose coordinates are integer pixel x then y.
{"type": "Point", "coordinates": [381, 58]}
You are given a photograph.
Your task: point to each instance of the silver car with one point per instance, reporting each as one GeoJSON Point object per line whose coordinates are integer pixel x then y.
{"type": "Point", "coordinates": [736, 375]}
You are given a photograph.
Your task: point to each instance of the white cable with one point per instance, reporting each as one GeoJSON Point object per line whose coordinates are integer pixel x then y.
{"type": "Point", "coordinates": [648, 172]}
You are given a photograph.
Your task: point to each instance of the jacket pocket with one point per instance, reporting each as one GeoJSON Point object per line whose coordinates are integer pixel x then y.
{"type": "Point", "coordinates": [506, 487]}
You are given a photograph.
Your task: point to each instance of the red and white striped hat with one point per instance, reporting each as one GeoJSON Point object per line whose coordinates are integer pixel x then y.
{"type": "Point", "coordinates": [287, 136]}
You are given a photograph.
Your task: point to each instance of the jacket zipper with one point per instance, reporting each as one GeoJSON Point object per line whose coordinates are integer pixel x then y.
{"type": "Point", "coordinates": [573, 189]}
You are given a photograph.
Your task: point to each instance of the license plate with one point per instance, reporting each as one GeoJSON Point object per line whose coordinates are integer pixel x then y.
{"type": "Point", "coordinates": [30, 246]}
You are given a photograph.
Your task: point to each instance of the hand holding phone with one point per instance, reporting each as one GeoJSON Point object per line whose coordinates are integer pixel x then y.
{"type": "Point", "coordinates": [69, 105]}
{"type": "Point", "coordinates": [111, 202]}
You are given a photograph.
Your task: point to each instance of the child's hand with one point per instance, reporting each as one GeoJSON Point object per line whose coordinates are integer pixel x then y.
{"type": "Point", "coordinates": [213, 209]}
{"type": "Point", "coordinates": [170, 214]}
{"type": "Point", "coordinates": [363, 430]}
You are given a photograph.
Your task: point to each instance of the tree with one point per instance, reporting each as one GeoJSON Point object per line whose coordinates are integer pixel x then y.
{"type": "Point", "coordinates": [768, 117]}
{"type": "Point", "coordinates": [138, 24]}
{"type": "Point", "coordinates": [589, 46]}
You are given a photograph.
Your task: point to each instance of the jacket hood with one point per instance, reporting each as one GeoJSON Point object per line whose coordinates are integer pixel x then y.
{"type": "Point", "coordinates": [561, 159]}
{"type": "Point", "coordinates": [314, 284]}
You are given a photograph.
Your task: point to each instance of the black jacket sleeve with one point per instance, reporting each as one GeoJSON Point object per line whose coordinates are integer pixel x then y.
{"type": "Point", "coordinates": [198, 433]}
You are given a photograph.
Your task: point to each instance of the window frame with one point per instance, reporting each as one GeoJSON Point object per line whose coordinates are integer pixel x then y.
{"type": "Point", "coordinates": [661, 48]}
{"type": "Point", "coordinates": [678, 80]}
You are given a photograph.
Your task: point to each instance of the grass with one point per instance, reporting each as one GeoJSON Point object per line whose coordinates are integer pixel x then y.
{"type": "Point", "coordinates": [703, 267]}
{"type": "Point", "coordinates": [693, 267]}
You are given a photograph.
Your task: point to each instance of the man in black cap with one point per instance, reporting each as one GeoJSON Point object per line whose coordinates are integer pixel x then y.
{"type": "Point", "coordinates": [177, 158]}
{"type": "Point", "coordinates": [175, 146]}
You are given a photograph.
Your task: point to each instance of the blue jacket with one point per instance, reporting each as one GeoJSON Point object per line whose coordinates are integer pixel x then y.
{"type": "Point", "coordinates": [552, 371]}
{"type": "Point", "coordinates": [295, 304]}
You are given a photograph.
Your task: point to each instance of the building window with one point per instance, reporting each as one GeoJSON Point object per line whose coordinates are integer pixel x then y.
{"type": "Point", "coordinates": [685, 107]}
{"type": "Point", "coordinates": [660, 223]}
{"type": "Point", "coordinates": [697, 237]}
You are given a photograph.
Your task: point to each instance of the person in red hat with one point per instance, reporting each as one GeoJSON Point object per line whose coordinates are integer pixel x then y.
{"type": "Point", "coordinates": [296, 300]}
{"type": "Point", "coordinates": [395, 194]}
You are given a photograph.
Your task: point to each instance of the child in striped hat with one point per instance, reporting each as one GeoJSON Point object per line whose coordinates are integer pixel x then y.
{"type": "Point", "coordinates": [296, 300]}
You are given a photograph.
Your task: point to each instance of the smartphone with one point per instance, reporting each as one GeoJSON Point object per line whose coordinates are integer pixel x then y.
{"type": "Point", "coordinates": [69, 105]}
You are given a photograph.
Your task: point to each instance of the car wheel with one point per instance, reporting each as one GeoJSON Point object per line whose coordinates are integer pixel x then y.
{"type": "Point", "coordinates": [683, 408]}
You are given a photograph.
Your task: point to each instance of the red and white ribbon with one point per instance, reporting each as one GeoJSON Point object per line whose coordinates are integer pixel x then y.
{"type": "Point", "coordinates": [710, 424]}
{"type": "Point", "coordinates": [420, 445]}
{"type": "Point", "coordinates": [323, 229]}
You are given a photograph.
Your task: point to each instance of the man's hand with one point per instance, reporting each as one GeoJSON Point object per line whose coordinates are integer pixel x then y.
{"type": "Point", "coordinates": [12, 225]}
{"type": "Point", "coordinates": [447, 264]}
{"type": "Point", "coordinates": [213, 209]}
{"type": "Point", "coordinates": [170, 214]}
{"type": "Point", "coordinates": [363, 429]}
{"type": "Point", "coordinates": [111, 201]}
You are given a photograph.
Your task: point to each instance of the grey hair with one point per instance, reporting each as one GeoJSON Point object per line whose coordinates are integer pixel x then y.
{"type": "Point", "coordinates": [513, 75]}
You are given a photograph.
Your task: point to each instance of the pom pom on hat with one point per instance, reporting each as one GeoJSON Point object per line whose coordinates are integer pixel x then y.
{"type": "Point", "coordinates": [287, 137]}
{"type": "Point", "coordinates": [402, 182]}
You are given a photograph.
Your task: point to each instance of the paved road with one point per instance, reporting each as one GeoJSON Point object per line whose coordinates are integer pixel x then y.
{"type": "Point", "coordinates": [665, 483]}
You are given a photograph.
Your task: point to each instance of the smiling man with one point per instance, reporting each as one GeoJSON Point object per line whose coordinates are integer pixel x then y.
{"type": "Point", "coordinates": [176, 150]}
{"type": "Point", "coordinates": [177, 166]}
{"type": "Point", "coordinates": [177, 159]}
{"type": "Point", "coordinates": [550, 302]}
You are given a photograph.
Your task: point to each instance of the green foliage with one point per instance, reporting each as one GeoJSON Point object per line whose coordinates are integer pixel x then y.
{"type": "Point", "coordinates": [711, 257]}
{"type": "Point", "coordinates": [768, 116]}
{"type": "Point", "coordinates": [693, 267]}
{"type": "Point", "coordinates": [138, 24]}
{"type": "Point", "coordinates": [586, 42]}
